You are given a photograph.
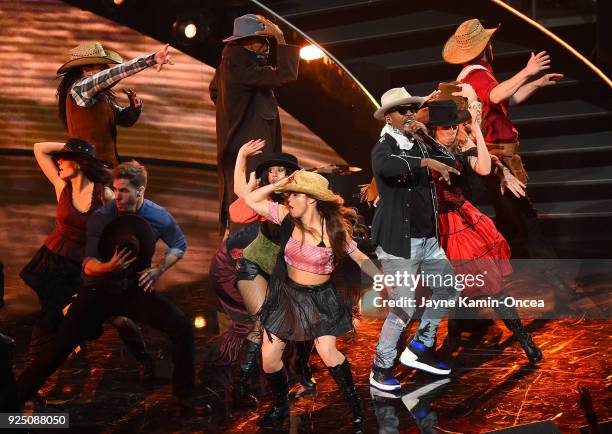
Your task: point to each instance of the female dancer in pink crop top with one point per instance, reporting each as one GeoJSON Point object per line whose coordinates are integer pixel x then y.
{"type": "Point", "coordinates": [302, 302]}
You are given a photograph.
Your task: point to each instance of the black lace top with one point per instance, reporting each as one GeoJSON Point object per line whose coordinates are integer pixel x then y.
{"type": "Point", "coordinates": [451, 197]}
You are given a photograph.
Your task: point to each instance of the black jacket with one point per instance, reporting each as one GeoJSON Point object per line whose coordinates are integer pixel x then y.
{"type": "Point", "coordinates": [397, 172]}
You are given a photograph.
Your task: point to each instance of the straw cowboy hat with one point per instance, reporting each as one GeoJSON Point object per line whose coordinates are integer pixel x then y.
{"type": "Point", "coordinates": [470, 39]}
{"type": "Point", "coordinates": [90, 53]}
{"type": "Point", "coordinates": [312, 184]}
{"type": "Point", "coordinates": [396, 97]}
{"type": "Point", "coordinates": [247, 26]}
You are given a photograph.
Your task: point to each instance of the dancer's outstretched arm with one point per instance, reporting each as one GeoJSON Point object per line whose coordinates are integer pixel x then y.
{"type": "Point", "coordinates": [42, 153]}
{"type": "Point", "coordinates": [84, 90]}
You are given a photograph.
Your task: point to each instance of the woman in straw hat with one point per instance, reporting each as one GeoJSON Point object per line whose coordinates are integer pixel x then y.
{"type": "Point", "coordinates": [302, 302]}
{"type": "Point", "coordinates": [54, 272]}
{"type": "Point", "coordinates": [256, 263]}
{"type": "Point", "coordinates": [86, 104]}
{"type": "Point", "coordinates": [468, 237]}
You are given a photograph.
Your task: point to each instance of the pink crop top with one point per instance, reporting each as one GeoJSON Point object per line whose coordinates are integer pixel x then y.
{"type": "Point", "coordinates": [306, 257]}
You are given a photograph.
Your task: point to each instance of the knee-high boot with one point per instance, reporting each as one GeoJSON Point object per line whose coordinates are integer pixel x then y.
{"type": "Point", "coordinates": [511, 319]}
{"type": "Point", "coordinates": [279, 409]}
{"type": "Point", "coordinates": [344, 378]}
{"type": "Point", "coordinates": [302, 367]}
{"type": "Point", "coordinates": [248, 364]}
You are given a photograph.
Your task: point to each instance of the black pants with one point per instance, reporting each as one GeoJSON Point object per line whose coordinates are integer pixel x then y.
{"type": "Point", "coordinates": [85, 318]}
{"type": "Point", "coordinates": [517, 220]}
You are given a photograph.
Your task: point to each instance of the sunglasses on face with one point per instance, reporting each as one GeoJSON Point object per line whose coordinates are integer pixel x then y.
{"type": "Point", "coordinates": [403, 109]}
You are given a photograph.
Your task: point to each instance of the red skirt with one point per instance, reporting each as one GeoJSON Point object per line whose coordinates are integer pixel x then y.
{"type": "Point", "coordinates": [475, 247]}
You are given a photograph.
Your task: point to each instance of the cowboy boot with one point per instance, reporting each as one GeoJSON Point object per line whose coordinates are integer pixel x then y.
{"type": "Point", "coordinates": [279, 409]}
{"type": "Point", "coordinates": [302, 368]}
{"type": "Point", "coordinates": [511, 319]}
{"type": "Point", "coordinates": [242, 397]}
{"type": "Point", "coordinates": [344, 378]}
{"type": "Point", "coordinates": [534, 354]}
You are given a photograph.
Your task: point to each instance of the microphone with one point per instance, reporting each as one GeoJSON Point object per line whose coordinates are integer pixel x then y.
{"type": "Point", "coordinates": [432, 143]}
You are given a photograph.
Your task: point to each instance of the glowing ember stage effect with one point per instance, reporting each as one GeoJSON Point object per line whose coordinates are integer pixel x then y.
{"type": "Point", "coordinates": [310, 52]}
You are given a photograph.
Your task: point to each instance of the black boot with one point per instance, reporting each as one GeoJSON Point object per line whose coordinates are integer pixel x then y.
{"type": "Point", "coordinates": [511, 319]}
{"type": "Point", "coordinates": [302, 368]}
{"type": "Point", "coordinates": [344, 378]}
{"type": "Point", "coordinates": [279, 409]}
{"type": "Point", "coordinates": [531, 349]}
{"type": "Point", "coordinates": [248, 364]}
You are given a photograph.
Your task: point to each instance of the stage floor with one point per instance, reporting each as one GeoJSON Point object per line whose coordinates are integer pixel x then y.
{"type": "Point", "coordinates": [492, 385]}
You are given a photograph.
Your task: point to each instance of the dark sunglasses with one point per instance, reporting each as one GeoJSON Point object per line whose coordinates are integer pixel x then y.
{"type": "Point", "coordinates": [403, 109]}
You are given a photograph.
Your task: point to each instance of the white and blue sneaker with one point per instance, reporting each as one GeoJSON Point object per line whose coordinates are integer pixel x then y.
{"type": "Point", "coordinates": [418, 356]}
{"type": "Point", "coordinates": [383, 379]}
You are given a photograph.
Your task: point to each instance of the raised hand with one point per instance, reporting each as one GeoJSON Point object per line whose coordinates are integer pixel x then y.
{"type": "Point", "coordinates": [163, 57]}
{"type": "Point", "coordinates": [252, 147]}
{"type": "Point", "coordinates": [467, 91]}
{"type": "Point", "coordinates": [548, 79]}
{"type": "Point", "coordinates": [537, 63]}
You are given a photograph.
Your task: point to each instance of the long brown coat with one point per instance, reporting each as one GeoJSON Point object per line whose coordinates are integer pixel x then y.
{"type": "Point", "coordinates": [242, 90]}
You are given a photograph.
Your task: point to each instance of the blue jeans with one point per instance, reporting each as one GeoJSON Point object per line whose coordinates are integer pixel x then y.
{"type": "Point", "coordinates": [428, 257]}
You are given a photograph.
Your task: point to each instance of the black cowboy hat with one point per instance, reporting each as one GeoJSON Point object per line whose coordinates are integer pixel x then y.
{"type": "Point", "coordinates": [132, 232]}
{"type": "Point", "coordinates": [79, 150]}
{"type": "Point", "coordinates": [283, 159]}
{"type": "Point", "coordinates": [442, 114]}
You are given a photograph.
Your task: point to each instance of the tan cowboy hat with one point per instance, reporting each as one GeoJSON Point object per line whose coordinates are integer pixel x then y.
{"type": "Point", "coordinates": [445, 92]}
{"type": "Point", "coordinates": [396, 97]}
{"type": "Point", "coordinates": [90, 53]}
{"type": "Point", "coordinates": [312, 184]}
{"type": "Point", "coordinates": [470, 39]}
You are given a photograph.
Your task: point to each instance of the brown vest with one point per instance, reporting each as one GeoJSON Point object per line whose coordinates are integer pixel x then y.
{"type": "Point", "coordinates": [95, 125]}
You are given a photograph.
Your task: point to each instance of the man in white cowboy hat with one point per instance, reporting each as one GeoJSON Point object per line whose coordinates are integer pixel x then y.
{"type": "Point", "coordinates": [243, 92]}
{"type": "Point", "coordinates": [87, 106]}
{"type": "Point", "coordinates": [515, 216]}
{"type": "Point", "coordinates": [404, 229]}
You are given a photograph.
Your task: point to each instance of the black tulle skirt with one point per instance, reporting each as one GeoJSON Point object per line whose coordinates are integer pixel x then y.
{"type": "Point", "coordinates": [53, 277]}
{"type": "Point", "coordinates": [295, 312]}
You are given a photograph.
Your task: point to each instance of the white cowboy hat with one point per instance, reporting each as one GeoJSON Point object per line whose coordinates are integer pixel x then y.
{"type": "Point", "coordinates": [396, 97]}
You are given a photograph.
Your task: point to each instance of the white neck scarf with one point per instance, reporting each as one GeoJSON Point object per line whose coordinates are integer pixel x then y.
{"type": "Point", "coordinates": [402, 140]}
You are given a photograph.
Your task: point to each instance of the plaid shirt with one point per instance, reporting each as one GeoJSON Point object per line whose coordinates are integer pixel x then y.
{"type": "Point", "coordinates": [84, 90]}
